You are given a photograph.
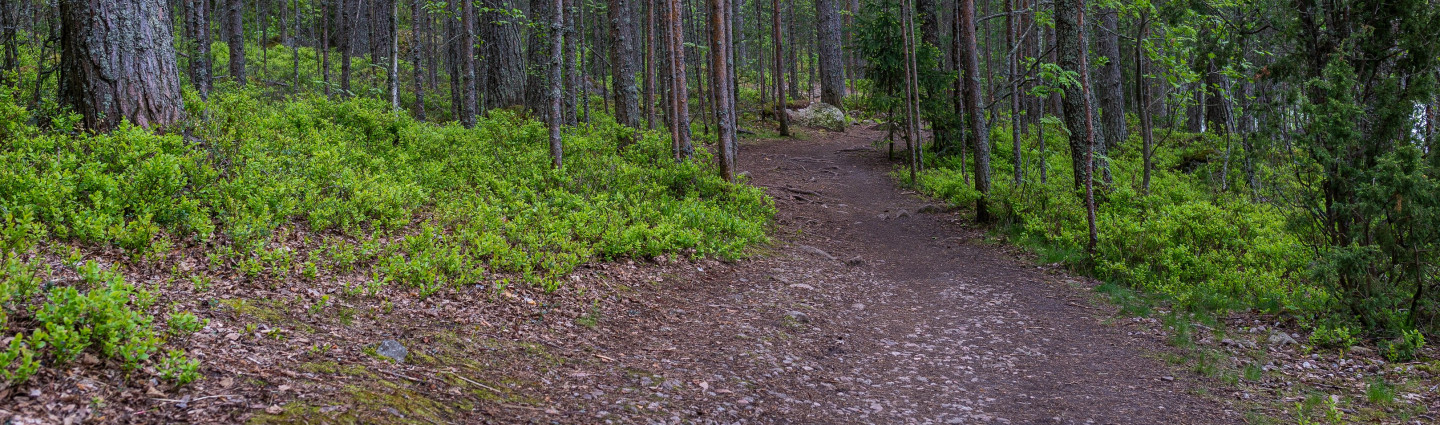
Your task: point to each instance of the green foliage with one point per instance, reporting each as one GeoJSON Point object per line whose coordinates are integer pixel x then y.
{"type": "Point", "coordinates": [175, 367]}
{"type": "Point", "coordinates": [1379, 392]}
{"type": "Point", "coordinates": [103, 317]}
{"type": "Point", "coordinates": [18, 362]}
{"type": "Point", "coordinates": [1405, 347]}
{"type": "Point", "coordinates": [185, 323]}
{"type": "Point", "coordinates": [1333, 337]}
{"type": "Point", "coordinates": [1206, 251]}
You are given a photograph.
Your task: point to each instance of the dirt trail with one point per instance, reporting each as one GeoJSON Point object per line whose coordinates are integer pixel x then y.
{"type": "Point", "coordinates": [869, 308]}
{"type": "Point", "coordinates": [872, 311]}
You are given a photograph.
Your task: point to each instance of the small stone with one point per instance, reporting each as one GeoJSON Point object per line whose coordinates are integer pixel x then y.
{"type": "Point", "coordinates": [858, 306]}
{"type": "Point", "coordinates": [930, 209]}
{"type": "Point", "coordinates": [902, 214]}
{"type": "Point", "coordinates": [1167, 378]}
{"type": "Point", "coordinates": [393, 350]}
{"type": "Point", "coordinates": [802, 286]}
{"type": "Point", "coordinates": [798, 316]}
{"type": "Point", "coordinates": [1281, 339]}
{"type": "Point", "coordinates": [274, 409]}
{"type": "Point", "coordinates": [855, 261]}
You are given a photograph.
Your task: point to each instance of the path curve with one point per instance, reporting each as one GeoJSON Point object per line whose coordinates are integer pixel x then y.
{"type": "Point", "coordinates": [873, 308]}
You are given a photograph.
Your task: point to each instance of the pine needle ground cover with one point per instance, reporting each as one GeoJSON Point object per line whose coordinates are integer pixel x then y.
{"type": "Point", "coordinates": [264, 193]}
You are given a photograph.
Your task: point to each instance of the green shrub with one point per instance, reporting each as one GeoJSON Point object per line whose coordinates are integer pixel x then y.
{"type": "Point", "coordinates": [1333, 337]}
{"type": "Point", "coordinates": [1405, 347]}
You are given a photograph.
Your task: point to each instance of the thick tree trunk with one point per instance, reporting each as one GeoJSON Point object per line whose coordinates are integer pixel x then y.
{"type": "Point", "coordinates": [505, 67]}
{"type": "Point", "coordinates": [1109, 81]}
{"type": "Point", "coordinates": [623, 66]}
{"type": "Point", "coordinates": [117, 62]}
{"type": "Point", "coordinates": [537, 83]}
{"type": "Point", "coordinates": [235, 10]}
{"type": "Point", "coordinates": [832, 77]}
{"type": "Point", "coordinates": [929, 22]}
{"type": "Point", "coordinates": [1072, 54]}
{"type": "Point", "coordinates": [1012, 62]}
{"type": "Point", "coordinates": [979, 134]}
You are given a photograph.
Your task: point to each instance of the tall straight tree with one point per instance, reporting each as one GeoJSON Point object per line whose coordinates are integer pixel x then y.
{"type": "Point", "coordinates": [142, 86]}
{"type": "Point", "coordinates": [234, 14]}
{"type": "Point", "coordinates": [1012, 35]}
{"type": "Point", "coordinates": [679, 92]}
{"type": "Point", "coordinates": [832, 76]}
{"type": "Point", "coordinates": [466, 53]}
{"type": "Point", "coordinates": [650, 74]}
{"type": "Point", "coordinates": [557, 47]}
{"type": "Point", "coordinates": [779, 74]}
{"type": "Point", "coordinates": [623, 67]}
{"type": "Point", "coordinates": [199, 25]}
{"type": "Point", "coordinates": [720, 74]}
{"type": "Point", "coordinates": [419, 20]}
{"type": "Point", "coordinates": [979, 134]}
{"type": "Point", "coordinates": [1089, 134]}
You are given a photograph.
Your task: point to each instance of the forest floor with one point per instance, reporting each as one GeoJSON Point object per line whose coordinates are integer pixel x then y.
{"type": "Point", "coordinates": [873, 305]}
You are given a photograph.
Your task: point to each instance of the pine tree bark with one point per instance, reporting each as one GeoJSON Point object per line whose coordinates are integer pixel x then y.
{"type": "Point", "coordinates": [505, 68]}
{"type": "Point", "coordinates": [623, 67]}
{"type": "Point", "coordinates": [419, 20]}
{"type": "Point", "coordinates": [199, 25]}
{"type": "Point", "coordinates": [679, 92]}
{"type": "Point", "coordinates": [572, 65]}
{"type": "Point", "coordinates": [832, 78]}
{"type": "Point", "coordinates": [1072, 56]}
{"type": "Point", "coordinates": [347, 24]}
{"type": "Point", "coordinates": [979, 135]}
{"type": "Point", "coordinates": [234, 12]}
{"type": "Point", "coordinates": [779, 81]}
{"type": "Point", "coordinates": [537, 83]}
{"type": "Point", "coordinates": [649, 100]}
{"type": "Point", "coordinates": [1012, 35]}
{"type": "Point", "coordinates": [720, 75]}
{"type": "Point", "coordinates": [1109, 82]}
{"type": "Point", "coordinates": [556, 99]}
{"type": "Point", "coordinates": [466, 52]}
{"type": "Point", "coordinates": [117, 62]}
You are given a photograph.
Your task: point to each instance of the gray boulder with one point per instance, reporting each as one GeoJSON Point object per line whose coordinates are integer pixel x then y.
{"type": "Point", "coordinates": [819, 115]}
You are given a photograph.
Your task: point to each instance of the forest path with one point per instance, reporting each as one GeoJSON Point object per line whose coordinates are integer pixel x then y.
{"type": "Point", "coordinates": [868, 310]}
{"type": "Point", "coordinates": [917, 320]}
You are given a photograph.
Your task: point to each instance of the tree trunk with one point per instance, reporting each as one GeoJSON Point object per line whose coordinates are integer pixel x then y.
{"type": "Point", "coordinates": [929, 24]}
{"type": "Point", "coordinates": [419, 19]}
{"type": "Point", "coordinates": [720, 77]}
{"type": "Point", "coordinates": [117, 62]}
{"type": "Point", "coordinates": [832, 78]}
{"type": "Point", "coordinates": [537, 84]}
{"type": "Point", "coordinates": [1012, 35]}
{"type": "Point", "coordinates": [200, 63]}
{"type": "Point", "coordinates": [572, 62]}
{"type": "Point", "coordinates": [466, 51]}
{"type": "Point", "coordinates": [236, 39]}
{"type": "Point", "coordinates": [1142, 106]}
{"type": "Point", "coordinates": [622, 62]}
{"type": "Point", "coordinates": [980, 136]}
{"type": "Point", "coordinates": [347, 25]}
{"type": "Point", "coordinates": [1111, 92]}
{"type": "Point", "coordinates": [505, 68]}
{"type": "Point", "coordinates": [556, 53]}
{"type": "Point", "coordinates": [1089, 133]}
{"type": "Point", "coordinates": [650, 75]}
{"type": "Point", "coordinates": [779, 82]}
{"type": "Point", "coordinates": [679, 96]}
{"type": "Point", "coordinates": [1072, 54]}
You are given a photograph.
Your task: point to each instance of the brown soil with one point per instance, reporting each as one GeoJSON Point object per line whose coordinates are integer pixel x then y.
{"type": "Point", "coordinates": [872, 306]}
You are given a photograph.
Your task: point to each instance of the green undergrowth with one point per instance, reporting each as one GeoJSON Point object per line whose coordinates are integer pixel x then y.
{"type": "Point", "coordinates": [1185, 242]}
{"type": "Point", "coordinates": [280, 192]}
